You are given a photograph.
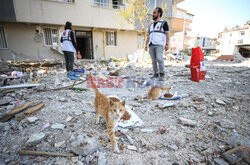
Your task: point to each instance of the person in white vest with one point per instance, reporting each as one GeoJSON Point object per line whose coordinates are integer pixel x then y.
{"type": "Point", "coordinates": [69, 46]}
{"type": "Point", "coordinates": [157, 41]}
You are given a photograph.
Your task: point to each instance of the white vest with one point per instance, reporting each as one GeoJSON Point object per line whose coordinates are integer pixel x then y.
{"type": "Point", "coordinates": [67, 44]}
{"type": "Point", "coordinates": [157, 35]}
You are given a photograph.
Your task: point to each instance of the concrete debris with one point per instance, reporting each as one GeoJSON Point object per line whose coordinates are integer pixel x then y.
{"type": "Point", "coordinates": [210, 118]}
{"type": "Point", "coordinates": [101, 158]}
{"type": "Point", "coordinates": [74, 159]}
{"type": "Point", "coordinates": [59, 144]}
{"type": "Point", "coordinates": [32, 119]}
{"type": "Point", "coordinates": [173, 147]}
{"type": "Point", "coordinates": [133, 148]}
{"type": "Point", "coordinates": [227, 123]}
{"type": "Point", "coordinates": [36, 138]}
{"type": "Point", "coordinates": [218, 101]}
{"type": "Point", "coordinates": [220, 161]}
{"type": "Point", "coordinates": [58, 126]}
{"type": "Point", "coordinates": [84, 145]}
{"type": "Point", "coordinates": [187, 121]}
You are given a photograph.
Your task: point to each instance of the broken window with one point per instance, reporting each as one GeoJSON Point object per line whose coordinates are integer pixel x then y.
{"type": "Point", "coordinates": [3, 43]}
{"type": "Point", "coordinates": [111, 38]}
{"type": "Point", "coordinates": [50, 36]}
{"type": "Point", "coordinates": [118, 4]}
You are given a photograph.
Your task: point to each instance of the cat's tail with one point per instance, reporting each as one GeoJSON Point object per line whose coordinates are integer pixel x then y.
{"type": "Point", "coordinates": [93, 84]}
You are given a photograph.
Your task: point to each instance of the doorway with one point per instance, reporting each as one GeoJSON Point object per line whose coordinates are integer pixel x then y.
{"type": "Point", "coordinates": [85, 43]}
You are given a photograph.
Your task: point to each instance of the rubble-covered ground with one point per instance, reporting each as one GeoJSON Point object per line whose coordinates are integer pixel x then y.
{"type": "Point", "coordinates": [219, 107]}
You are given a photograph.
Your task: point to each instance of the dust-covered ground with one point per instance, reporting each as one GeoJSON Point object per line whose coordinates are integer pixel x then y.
{"type": "Point", "coordinates": [219, 107]}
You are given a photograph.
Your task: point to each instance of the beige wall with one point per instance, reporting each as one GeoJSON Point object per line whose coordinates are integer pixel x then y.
{"type": "Point", "coordinates": [24, 44]}
{"type": "Point", "coordinates": [81, 13]}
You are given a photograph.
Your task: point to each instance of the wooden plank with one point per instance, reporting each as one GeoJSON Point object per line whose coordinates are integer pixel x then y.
{"type": "Point", "coordinates": [41, 153]}
{"type": "Point", "coordinates": [34, 108]}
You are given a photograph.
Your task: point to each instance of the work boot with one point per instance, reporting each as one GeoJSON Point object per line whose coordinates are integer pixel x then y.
{"type": "Point", "coordinates": [155, 76]}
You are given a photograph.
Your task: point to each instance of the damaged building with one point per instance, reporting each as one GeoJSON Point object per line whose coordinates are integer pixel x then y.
{"type": "Point", "coordinates": [31, 29]}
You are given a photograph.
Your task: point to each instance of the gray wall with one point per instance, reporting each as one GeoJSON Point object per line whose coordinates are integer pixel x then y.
{"type": "Point", "coordinates": [7, 12]}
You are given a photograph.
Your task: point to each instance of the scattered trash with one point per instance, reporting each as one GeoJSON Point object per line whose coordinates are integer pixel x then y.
{"type": "Point", "coordinates": [79, 70]}
{"type": "Point", "coordinates": [198, 99]}
{"type": "Point", "coordinates": [148, 130]}
{"type": "Point", "coordinates": [17, 74]}
{"type": "Point", "coordinates": [20, 86]}
{"type": "Point", "coordinates": [133, 148]}
{"type": "Point", "coordinates": [226, 58]}
{"type": "Point", "coordinates": [46, 125]}
{"type": "Point", "coordinates": [174, 97]}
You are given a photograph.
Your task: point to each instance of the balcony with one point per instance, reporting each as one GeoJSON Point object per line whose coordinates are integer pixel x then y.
{"type": "Point", "coordinates": [177, 24]}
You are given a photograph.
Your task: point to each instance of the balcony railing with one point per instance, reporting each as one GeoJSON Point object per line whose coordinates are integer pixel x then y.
{"type": "Point", "coordinates": [108, 5]}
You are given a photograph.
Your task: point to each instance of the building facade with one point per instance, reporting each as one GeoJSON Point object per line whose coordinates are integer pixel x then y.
{"type": "Point", "coordinates": [31, 29]}
{"type": "Point", "coordinates": [229, 40]}
{"type": "Point", "coordinates": [181, 29]}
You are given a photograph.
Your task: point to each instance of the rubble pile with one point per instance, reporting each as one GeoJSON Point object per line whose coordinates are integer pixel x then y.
{"type": "Point", "coordinates": [53, 122]}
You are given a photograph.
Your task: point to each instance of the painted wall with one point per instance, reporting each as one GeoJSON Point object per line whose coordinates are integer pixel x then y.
{"type": "Point", "coordinates": [80, 13]}
{"type": "Point", "coordinates": [23, 43]}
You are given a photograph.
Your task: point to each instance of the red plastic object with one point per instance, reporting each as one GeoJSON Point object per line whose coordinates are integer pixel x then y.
{"type": "Point", "coordinates": [197, 65]}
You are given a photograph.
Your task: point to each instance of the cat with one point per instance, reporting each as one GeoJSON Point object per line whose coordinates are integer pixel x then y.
{"type": "Point", "coordinates": [155, 92]}
{"type": "Point", "coordinates": [126, 115]}
{"type": "Point", "coordinates": [111, 111]}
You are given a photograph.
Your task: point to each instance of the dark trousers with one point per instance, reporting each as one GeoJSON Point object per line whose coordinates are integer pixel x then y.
{"type": "Point", "coordinates": [69, 59]}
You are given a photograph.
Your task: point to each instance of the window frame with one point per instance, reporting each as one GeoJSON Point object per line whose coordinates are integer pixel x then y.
{"type": "Point", "coordinates": [58, 1]}
{"type": "Point", "coordinates": [5, 37]}
{"type": "Point", "coordinates": [115, 38]}
{"type": "Point", "coordinates": [51, 29]}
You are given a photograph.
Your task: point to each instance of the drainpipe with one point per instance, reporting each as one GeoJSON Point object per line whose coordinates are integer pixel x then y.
{"type": "Point", "coordinates": [104, 48]}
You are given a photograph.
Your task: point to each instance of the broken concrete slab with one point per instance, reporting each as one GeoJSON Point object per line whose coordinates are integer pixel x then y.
{"type": "Point", "coordinates": [84, 145]}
